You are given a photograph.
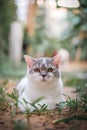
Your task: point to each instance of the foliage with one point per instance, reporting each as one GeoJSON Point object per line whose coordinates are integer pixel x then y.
{"type": "Point", "coordinates": [73, 79]}
{"type": "Point", "coordinates": [79, 103]}
{"type": "Point", "coordinates": [82, 90]}
{"type": "Point", "coordinates": [41, 42]}
{"type": "Point", "coordinates": [26, 40]}
{"type": "Point", "coordinates": [7, 67]}
{"type": "Point", "coordinates": [84, 101]}
{"type": "Point", "coordinates": [78, 107]}
{"type": "Point", "coordinates": [74, 117]}
{"type": "Point", "coordinates": [19, 125]}
{"type": "Point", "coordinates": [83, 3]}
{"type": "Point", "coordinates": [3, 99]}
{"type": "Point", "coordinates": [39, 108]}
{"type": "Point", "coordinates": [7, 15]}
{"type": "Point", "coordinates": [76, 34]}
{"type": "Point", "coordinates": [74, 82]}
{"type": "Point", "coordinates": [14, 96]}
{"type": "Point", "coordinates": [36, 106]}
{"type": "Point", "coordinates": [61, 106]}
{"type": "Point", "coordinates": [72, 103]}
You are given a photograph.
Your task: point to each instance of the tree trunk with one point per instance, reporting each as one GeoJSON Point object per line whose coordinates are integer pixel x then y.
{"type": "Point", "coordinates": [16, 42]}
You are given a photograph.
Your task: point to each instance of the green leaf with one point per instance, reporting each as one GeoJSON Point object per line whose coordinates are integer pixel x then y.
{"type": "Point", "coordinates": [38, 100]}
{"type": "Point", "coordinates": [71, 118]}
{"type": "Point", "coordinates": [83, 27]}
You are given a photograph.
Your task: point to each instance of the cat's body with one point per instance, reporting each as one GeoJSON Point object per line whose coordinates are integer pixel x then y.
{"type": "Point", "coordinates": [43, 79]}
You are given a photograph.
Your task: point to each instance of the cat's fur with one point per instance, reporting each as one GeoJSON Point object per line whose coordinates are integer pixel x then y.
{"type": "Point", "coordinates": [43, 79]}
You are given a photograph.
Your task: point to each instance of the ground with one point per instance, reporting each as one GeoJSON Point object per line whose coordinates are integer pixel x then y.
{"type": "Point", "coordinates": [44, 121]}
{"type": "Point", "coordinates": [47, 120]}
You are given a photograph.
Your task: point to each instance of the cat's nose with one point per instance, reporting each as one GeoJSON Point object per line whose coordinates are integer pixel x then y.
{"type": "Point", "coordinates": [44, 75]}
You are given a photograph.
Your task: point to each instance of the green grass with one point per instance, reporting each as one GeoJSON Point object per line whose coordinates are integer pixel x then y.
{"type": "Point", "coordinates": [74, 117]}
{"type": "Point", "coordinates": [9, 70]}
{"type": "Point", "coordinates": [70, 79]}
{"type": "Point", "coordinates": [3, 99]}
{"type": "Point", "coordinates": [74, 106]}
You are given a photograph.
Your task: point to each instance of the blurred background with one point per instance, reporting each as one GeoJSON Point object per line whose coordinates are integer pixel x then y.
{"type": "Point", "coordinates": [44, 28]}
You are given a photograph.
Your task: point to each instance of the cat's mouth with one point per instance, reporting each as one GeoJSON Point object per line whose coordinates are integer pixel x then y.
{"type": "Point", "coordinates": [43, 79]}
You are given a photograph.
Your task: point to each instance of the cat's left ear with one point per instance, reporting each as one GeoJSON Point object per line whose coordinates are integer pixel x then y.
{"type": "Point", "coordinates": [56, 60]}
{"type": "Point", "coordinates": [29, 61]}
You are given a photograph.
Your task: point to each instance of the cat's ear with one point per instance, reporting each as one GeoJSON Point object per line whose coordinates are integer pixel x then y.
{"type": "Point", "coordinates": [56, 60]}
{"type": "Point", "coordinates": [29, 61]}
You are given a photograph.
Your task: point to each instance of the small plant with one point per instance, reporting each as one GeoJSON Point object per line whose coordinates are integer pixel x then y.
{"type": "Point", "coordinates": [61, 106]}
{"type": "Point", "coordinates": [72, 103]}
{"type": "Point", "coordinates": [19, 125]}
{"type": "Point", "coordinates": [35, 106]}
{"type": "Point", "coordinates": [81, 88]}
{"type": "Point", "coordinates": [38, 108]}
{"type": "Point", "coordinates": [14, 97]}
{"type": "Point", "coordinates": [83, 102]}
{"type": "Point", "coordinates": [82, 91]}
{"type": "Point", "coordinates": [74, 117]}
{"type": "Point", "coordinates": [3, 100]}
{"type": "Point", "coordinates": [27, 110]}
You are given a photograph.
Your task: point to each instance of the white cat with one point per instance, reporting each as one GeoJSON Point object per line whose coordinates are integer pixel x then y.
{"type": "Point", "coordinates": [43, 79]}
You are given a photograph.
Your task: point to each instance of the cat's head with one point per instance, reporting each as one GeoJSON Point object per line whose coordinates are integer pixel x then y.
{"type": "Point", "coordinates": [43, 69]}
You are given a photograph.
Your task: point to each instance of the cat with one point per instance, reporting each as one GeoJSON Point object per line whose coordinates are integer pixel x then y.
{"type": "Point", "coordinates": [43, 79]}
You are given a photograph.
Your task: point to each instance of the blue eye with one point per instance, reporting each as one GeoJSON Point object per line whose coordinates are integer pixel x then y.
{"type": "Point", "coordinates": [37, 70]}
{"type": "Point", "coordinates": [50, 70]}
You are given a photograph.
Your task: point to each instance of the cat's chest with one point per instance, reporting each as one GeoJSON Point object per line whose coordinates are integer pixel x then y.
{"type": "Point", "coordinates": [39, 92]}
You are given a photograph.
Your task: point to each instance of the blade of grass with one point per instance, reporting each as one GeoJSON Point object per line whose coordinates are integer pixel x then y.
{"type": "Point", "coordinates": [75, 117]}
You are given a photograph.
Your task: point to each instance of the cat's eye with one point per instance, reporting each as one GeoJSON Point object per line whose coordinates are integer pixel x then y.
{"type": "Point", "coordinates": [37, 70]}
{"type": "Point", "coordinates": [50, 70]}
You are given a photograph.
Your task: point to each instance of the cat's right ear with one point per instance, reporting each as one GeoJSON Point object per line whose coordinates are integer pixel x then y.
{"type": "Point", "coordinates": [56, 60]}
{"type": "Point", "coordinates": [29, 61]}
